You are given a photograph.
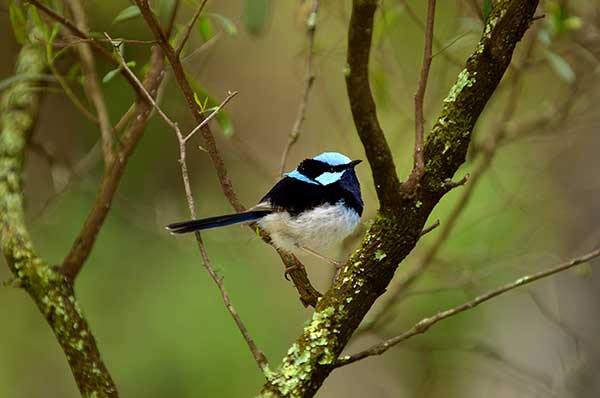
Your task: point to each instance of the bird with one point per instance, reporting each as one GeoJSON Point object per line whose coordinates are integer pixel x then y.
{"type": "Point", "coordinates": [310, 208]}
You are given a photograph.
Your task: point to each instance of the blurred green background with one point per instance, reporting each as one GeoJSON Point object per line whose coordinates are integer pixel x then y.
{"type": "Point", "coordinates": [160, 323]}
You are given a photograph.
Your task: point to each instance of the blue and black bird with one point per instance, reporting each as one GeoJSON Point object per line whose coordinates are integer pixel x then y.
{"type": "Point", "coordinates": [313, 206]}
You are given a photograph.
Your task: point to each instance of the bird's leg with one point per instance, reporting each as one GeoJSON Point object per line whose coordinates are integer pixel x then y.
{"type": "Point", "coordinates": [289, 269]}
{"type": "Point", "coordinates": [331, 261]}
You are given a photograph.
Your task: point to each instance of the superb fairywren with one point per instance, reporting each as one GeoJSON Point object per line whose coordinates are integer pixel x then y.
{"type": "Point", "coordinates": [311, 207]}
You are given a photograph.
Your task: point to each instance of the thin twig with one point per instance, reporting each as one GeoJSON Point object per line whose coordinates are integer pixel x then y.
{"type": "Point", "coordinates": [309, 79]}
{"type": "Point", "coordinates": [441, 48]}
{"type": "Point", "coordinates": [230, 95]}
{"type": "Point", "coordinates": [256, 352]}
{"type": "Point", "coordinates": [418, 164]}
{"type": "Point", "coordinates": [423, 325]}
{"type": "Point", "coordinates": [92, 85]}
{"type": "Point", "coordinates": [77, 32]}
{"type": "Point", "coordinates": [189, 27]}
{"type": "Point", "coordinates": [307, 292]}
{"type": "Point", "coordinates": [430, 228]}
{"type": "Point", "coordinates": [172, 19]}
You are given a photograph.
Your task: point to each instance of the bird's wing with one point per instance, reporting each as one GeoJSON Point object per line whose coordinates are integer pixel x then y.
{"type": "Point", "coordinates": [294, 196]}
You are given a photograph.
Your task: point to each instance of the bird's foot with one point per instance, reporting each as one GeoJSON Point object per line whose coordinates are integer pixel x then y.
{"type": "Point", "coordinates": [291, 268]}
{"type": "Point", "coordinates": [338, 266]}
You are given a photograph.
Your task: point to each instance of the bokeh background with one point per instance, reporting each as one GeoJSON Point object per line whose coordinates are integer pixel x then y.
{"type": "Point", "coordinates": [158, 318]}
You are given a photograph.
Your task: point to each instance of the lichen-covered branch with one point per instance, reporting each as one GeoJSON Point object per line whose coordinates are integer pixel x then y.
{"type": "Point", "coordinates": [51, 291]}
{"type": "Point", "coordinates": [401, 218]}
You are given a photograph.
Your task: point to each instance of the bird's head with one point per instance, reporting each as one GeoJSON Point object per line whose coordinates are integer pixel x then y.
{"type": "Point", "coordinates": [324, 169]}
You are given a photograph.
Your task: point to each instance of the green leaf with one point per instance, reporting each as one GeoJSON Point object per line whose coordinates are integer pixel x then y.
{"type": "Point", "coordinates": [573, 23]}
{"type": "Point", "coordinates": [127, 14]}
{"type": "Point", "coordinates": [583, 270]}
{"type": "Point", "coordinates": [486, 9]}
{"type": "Point", "coordinates": [18, 22]}
{"type": "Point", "coordinates": [560, 66]}
{"type": "Point", "coordinates": [226, 23]}
{"type": "Point", "coordinates": [205, 101]}
{"type": "Point", "coordinates": [110, 75]}
{"type": "Point", "coordinates": [255, 15]}
{"type": "Point", "coordinates": [205, 28]}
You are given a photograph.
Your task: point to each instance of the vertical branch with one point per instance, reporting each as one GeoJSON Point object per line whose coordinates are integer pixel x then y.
{"type": "Point", "coordinates": [51, 291]}
{"type": "Point", "coordinates": [419, 165]}
{"type": "Point", "coordinates": [309, 79]}
{"type": "Point", "coordinates": [91, 83]}
{"type": "Point", "coordinates": [363, 106]}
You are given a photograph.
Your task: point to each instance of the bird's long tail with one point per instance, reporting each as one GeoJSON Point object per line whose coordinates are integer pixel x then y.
{"type": "Point", "coordinates": [214, 222]}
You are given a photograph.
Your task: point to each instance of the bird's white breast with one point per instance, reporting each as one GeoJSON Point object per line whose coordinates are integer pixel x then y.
{"type": "Point", "coordinates": [315, 229]}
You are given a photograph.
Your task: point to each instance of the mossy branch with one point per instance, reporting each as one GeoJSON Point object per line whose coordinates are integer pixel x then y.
{"type": "Point", "coordinates": [51, 291]}
{"type": "Point", "coordinates": [401, 218]}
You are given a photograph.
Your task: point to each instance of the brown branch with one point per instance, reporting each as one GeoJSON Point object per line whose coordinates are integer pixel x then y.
{"type": "Point", "coordinates": [362, 105]}
{"type": "Point", "coordinates": [256, 352]}
{"type": "Point", "coordinates": [423, 325]}
{"type": "Point", "coordinates": [97, 45]}
{"type": "Point", "coordinates": [418, 163]}
{"type": "Point", "coordinates": [189, 27]}
{"type": "Point", "coordinates": [308, 294]}
{"type": "Point", "coordinates": [179, 73]}
{"type": "Point", "coordinates": [397, 227]}
{"type": "Point", "coordinates": [83, 244]}
{"type": "Point", "coordinates": [430, 228]}
{"type": "Point", "coordinates": [92, 85]}
{"type": "Point", "coordinates": [410, 276]}
{"type": "Point", "coordinates": [309, 79]}
{"type": "Point", "coordinates": [441, 48]}
{"type": "Point", "coordinates": [52, 293]}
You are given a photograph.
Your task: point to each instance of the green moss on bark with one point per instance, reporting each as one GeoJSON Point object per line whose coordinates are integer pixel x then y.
{"type": "Point", "coordinates": [51, 291]}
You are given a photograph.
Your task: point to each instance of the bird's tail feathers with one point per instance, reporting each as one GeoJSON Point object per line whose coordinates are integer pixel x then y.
{"type": "Point", "coordinates": [214, 222]}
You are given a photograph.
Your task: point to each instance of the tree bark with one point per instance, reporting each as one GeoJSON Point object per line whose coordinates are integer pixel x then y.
{"type": "Point", "coordinates": [400, 220]}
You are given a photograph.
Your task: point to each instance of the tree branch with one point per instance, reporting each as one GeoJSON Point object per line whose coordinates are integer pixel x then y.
{"type": "Point", "coordinates": [78, 33]}
{"type": "Point", "coordinates": [52, 292]}
{"type": "Point", "coordinates": [418, 163]}
{"type": "Point", "coordinates": [410, 275]}
{"type": "Point", "coordinates": [92, 85]}
{"type": "Point", "coordinates": [83, 244]}
{"type": "Point", "coordinates": [362, 104]}
{"type": "Point", "coordinates": [256, 352]}
{"type": "Point", "coordinates": [424, 325]}
{"type": "Point", "coordinates": [401, 218]}
{"type": "Point", "coordinates": [308, 294]}
{"type": "Point", "coordinates": [189, 27]}
{"type": "Point", "coordinates": [309, 79]}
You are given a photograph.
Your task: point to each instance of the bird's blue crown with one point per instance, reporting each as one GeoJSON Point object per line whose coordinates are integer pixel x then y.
{"type": "Point", "coordinates": [323, 169]}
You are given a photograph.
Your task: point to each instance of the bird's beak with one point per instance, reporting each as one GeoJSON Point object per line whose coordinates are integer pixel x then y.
{"type": "Point", "coordinates": [353, 163]}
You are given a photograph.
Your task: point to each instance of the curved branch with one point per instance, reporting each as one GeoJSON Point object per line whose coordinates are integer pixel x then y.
{"type": "Point", "coordinates": [400, 221]}
{"type": "Point", "coordinates": [51, 291]}
{"type": "Point", "coordinates": [308, 294]}
{"type": "Point", "coordinates": [363, 106]}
